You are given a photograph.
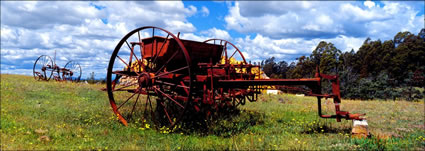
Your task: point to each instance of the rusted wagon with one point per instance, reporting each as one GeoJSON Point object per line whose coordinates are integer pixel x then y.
{"type": "Point", "coordinates": [169, 79]}
{"type": "Point", "coordinates": [45, 68]}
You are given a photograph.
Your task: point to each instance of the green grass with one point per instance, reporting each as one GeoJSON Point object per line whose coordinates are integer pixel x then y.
{"type": "Point", "coordinates": [78, 116]}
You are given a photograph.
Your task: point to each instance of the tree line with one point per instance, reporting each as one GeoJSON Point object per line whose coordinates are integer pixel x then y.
{"type": "Point", "coordinates": [389, 70]}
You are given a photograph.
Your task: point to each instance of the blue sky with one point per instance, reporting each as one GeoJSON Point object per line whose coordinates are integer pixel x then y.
{"type": "Point", "coordinates": [87, 31]}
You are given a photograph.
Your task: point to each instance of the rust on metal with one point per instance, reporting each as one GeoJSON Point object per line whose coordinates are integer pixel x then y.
{"type": "Point", "coordinates": [181, 78]}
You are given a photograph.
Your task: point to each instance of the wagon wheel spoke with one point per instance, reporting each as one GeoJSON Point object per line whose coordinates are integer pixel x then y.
{"type": "Point", "coordinates": [149, 62]}
{"type": "Point", "coordinates": [169, 97]}
{"type": "Point", "coordinates": [226, 57]}
{"type": "Point", "coordinates": [127, 65]}
{"type": "Point", "coordinates": [146, 108]}
{"type": "Point", "coordinates": [122, 60]}
{"type": "Point", "coordinates": [233, 54]}
{"type": "Point", "coordinates": [170, 106]}
{"type": "Point", "coordinates": [166, 113]}
{"type": "Point", "coordinates": [132, 53]}
{"type": "Point", "coordinates": [173, 71]}
{"type": "Point", "coordinates": [153, 117]}
{"type": "Point", "coordinates": [126, 101]}
{"type": "Point", "coordinates": [134, 107]}
{"type": "Point", "coordinates": [174, 85]}
{"type": "Point", "coordinates": [126, 86]}
{"type": "Point", "coordinates": [161, 48]}
{"type": "Point", "coordinates": [166, 63]}
{"type": "Point", "coordinates": [141, 48]}
{"type": "Point", "coordinates": [128, 45]}
{"type": "Point", "coordinates": [186, 88]}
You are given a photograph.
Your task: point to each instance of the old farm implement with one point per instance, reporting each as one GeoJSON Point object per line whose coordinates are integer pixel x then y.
{"type": "Point", "coordinates": [156, 77]}
{"type": "Point", "coordinates": [45, 68]}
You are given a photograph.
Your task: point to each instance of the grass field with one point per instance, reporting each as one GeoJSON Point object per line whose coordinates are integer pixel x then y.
{"type": "Point", "coordinates": [64, 116]}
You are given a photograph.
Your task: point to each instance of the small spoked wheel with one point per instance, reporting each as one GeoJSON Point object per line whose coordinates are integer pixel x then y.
{"type": "Point", "coordinates": [43, 68]}
{"type": "Point", "coordinates": [149, 78]}
{"type": "Point", "coordinates": [229, 59]}
{"type": "Point", "coordinates": [72, 71]}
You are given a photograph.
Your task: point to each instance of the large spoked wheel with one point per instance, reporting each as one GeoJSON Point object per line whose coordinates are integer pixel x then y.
{"type": "Point", "coordinates": [230, 53]}
{"type": "Point", "coordinates": [43, 68]}
{"type": "Point", "coordinates": [72, 71]}
{"type": "Point", "coordinates": [149, 78]}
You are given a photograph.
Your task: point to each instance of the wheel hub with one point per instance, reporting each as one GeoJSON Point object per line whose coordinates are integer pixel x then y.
{"type": "Point", "coordinates": [144, 80]}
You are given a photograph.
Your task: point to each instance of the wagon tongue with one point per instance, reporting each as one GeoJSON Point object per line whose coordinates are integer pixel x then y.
{"type": "Point", "coordinates": [350, 116]}
{"type": "Point", "coordinates": [356, 116]}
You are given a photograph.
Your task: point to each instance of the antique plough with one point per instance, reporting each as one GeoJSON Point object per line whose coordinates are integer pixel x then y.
{"type": "Point", "coordinates": [154, 76]}
{"type": "Point", "coordinates": [45, 68]}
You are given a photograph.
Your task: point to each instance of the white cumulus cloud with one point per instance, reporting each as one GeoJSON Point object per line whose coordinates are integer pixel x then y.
{"type": "Point", "coordinates": [205, 11]}
{"type": "Point", "coordinates": [369, 3]}
{"type": "Point", "coordinates": [281, 19]}
{"type": "Point", "coordinates": [287, 30]}
{"type": "Point", "coordinates": [86, 32]}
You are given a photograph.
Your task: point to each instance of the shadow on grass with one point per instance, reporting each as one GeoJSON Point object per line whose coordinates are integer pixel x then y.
{"type": "Point", "coordinates": [225, 124]}
{"type": "Point", "coordinates": [325, 128]}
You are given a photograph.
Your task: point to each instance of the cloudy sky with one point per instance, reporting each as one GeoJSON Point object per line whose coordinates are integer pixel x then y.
{"type": "Point", "coordinates": [87, 32]}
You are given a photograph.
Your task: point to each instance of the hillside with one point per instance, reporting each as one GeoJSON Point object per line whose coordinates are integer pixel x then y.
{"type": "Point", "coordinates": [64, 116]}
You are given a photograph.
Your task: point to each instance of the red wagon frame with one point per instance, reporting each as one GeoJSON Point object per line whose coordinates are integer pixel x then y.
{"type": "Point", "coordinates": [172, 78]}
